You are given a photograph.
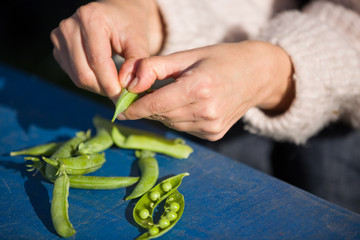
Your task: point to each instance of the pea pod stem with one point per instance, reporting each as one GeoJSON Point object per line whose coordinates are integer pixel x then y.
{"type": "Point", "coordinates": [60, 205]}
{"type": "Point", "coordinates": [124, 101]}
{"type": "Point", "coordinates": [149, 174]}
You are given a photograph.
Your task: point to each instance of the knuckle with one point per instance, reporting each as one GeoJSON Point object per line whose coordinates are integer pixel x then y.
{"type": "Point", "coordinates": [209, 113]}
{"type": "Point", "coordinates": [204, 89]}
{"type": "Point", "coordinates": [155, 107]}
{"type": "Point", "coordinates": [212, 128]}
{"type": "Point", "coordinates": [96, 60]}
{"type": "Point", "coordinates": [64, 26]}
{"type": "Point", "coordinates": [90, 13]}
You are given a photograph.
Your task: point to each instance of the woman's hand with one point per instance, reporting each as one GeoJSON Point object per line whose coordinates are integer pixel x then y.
{"type": "Point", "coordinates": [214, 86]}
{"type": "Point", "coordinates": [85, 42]}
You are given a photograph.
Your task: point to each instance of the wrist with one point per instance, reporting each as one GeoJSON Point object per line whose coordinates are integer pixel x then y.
{"type": "Point", "coordinates": [155, 27]}
{"type": "Point", "coordinates": [279, 89]}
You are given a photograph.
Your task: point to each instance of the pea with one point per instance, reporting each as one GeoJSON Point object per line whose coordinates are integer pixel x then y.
{"type": "Point", "coordinates": [164, 223]}
{"type": "Point", "coordinates": [171, 216]}
{"type": "Point", "coordinates": [174, 207]}
{"type": "Point", "coordinates": [154, 195]}
{"type": "Point", "coordinates": [166, 186]}
{"type": "Point", "coordinates": [144, 213]}
{"type": "Point", "coordinates": [153, 231]}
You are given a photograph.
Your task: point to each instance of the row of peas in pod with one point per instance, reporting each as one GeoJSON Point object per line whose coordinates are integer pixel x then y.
{"type": "Point", "coordinates": [66, 163]}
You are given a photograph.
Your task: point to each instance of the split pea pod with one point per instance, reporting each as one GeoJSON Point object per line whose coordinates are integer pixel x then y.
{"type": "Point", "coordinates": [101, 141]}
{"type": "Point", "coordinates": [175, 148]}
{"type": "Point", "coordinates": [65, 151]}
{"type": "Point", "coordinates": [78, 165]}
{"type": "Point", "coordinates": [144, 208]}
{"type": "Point", "coordinates": [45, 149]}
{"type": "Point", "coordinates": [149, 174]}
{"type": "Point", "coordinates": [96, 182]}
{"type": "Point", "coordinates": [124, 101]}
{"type": "Point", "coordinates": [60, 205]}
{"type": "Point", "coordinates": [173, 210]}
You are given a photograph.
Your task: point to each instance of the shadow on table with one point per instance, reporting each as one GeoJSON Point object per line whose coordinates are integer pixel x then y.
{"type": "Point", "coordinates": [45, 105]}
{"type": "Point", "coordinates": [36, 191]}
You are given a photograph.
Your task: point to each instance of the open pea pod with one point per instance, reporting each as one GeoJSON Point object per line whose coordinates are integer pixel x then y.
{"type": "Point", "coordinates": [151, 199]}
{"type": "Point", "coordinates": [78, 165]}
{"type": "Point", "coordinates": [172, 147]}
{"type": "Point", "coordinates": [173, 210]}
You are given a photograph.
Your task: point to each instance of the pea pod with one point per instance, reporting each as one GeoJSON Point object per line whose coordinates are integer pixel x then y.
{"type": "Point", "coordinates": [175, 148]}
{"type": "Point", "coordinates": [146, 201]}
{"type": "Point", "coordinates": [124, 101]}
{"type": "Point", "coordinates": [168, 219]}
{"type": "Point", "coordinates": [95, 182]}
{"type": "Point", "coordinates": [65, 151]}
{"type": "Point", "coordinates": [78, 165]}
{"type": "Point", "coordinates": [149, 174]}
{"type": "Point", "coordinates": [101, 141]}
{"type": "Point", "coordinates": [40, 150]}
{"type": "Point", "coordinates": [60, 205]}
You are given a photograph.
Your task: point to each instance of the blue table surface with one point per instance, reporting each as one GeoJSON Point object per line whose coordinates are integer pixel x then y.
{"type": "Point", "coordinates": [224, 198]}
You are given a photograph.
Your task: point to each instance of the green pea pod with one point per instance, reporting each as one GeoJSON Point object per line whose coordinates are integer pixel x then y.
{"type": "Point", "coordinates": [175, 148]}
{"type": "Point", "coordinates": [65, 151]}
{"type": "Point", "coordinates": [149, 174]}
{"type": "Point", "coordinates": [124, 101]}
{"type": "Point", "coordinates": [78, 165]}
{"type": "Point", "coordinates": [40, 150]}
{"type": "Point", "coordinates": [101, 141]}
{"type": "Point", "coordinates": [95, 182]}
{"type": "Point", "coordinates": [60, 205]}
{"type": "Point", "coordinates": [166, 223]}
{"type": "Point", "coordinates": [150, 203]}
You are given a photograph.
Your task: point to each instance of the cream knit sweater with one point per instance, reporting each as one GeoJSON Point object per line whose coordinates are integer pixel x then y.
{"type": "Point", "coordinates": [322, 39]}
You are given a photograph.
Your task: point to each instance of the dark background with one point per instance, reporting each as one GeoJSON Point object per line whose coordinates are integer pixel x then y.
{"type": "Point", "coordinates": [25, 44]}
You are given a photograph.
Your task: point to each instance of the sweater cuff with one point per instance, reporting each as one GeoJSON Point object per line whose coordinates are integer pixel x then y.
{"type": "Point", "coordinates": [320, 59]}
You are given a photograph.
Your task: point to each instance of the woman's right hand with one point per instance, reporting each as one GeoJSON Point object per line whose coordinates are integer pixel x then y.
{"type": "Point", "coordinates": [85, 42]}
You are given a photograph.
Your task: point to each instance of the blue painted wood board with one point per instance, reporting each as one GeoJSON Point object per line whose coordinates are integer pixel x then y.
{"type": "Point", "coordinates": [224, 198]}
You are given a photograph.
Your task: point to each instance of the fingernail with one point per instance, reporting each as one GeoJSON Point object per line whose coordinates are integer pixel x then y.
{"type": "Point", "coordinates": [133, 84]}
{"type": "Point", "coordinates": [121, 117]}
{"type": "Point", "coordinates": [127, 80]}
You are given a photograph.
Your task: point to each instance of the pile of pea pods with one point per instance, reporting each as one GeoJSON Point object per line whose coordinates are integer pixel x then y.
{"type": "Point", "coordinates": [66, 163]}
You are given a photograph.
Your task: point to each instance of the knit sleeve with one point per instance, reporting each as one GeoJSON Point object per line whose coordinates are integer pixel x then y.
{"type": "Point", "coordinates": [323, 44]}
{"type": "Point", "coordinates": [197, 23]}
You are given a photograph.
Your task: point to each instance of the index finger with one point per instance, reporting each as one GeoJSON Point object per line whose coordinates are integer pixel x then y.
{"type": "Point", "coordinates": [98, 50]}
{"type": "Point", "coordinates": [162, 100]}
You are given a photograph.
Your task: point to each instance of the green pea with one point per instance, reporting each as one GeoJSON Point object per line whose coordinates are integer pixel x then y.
{"type": "Point", "coordinates": [144, 213]}
{"type": "Point", "coordinates": [149, 174]}
{"type": "Point", "coordinates": [154, 195]}
{"type": "Point", "coordinates": [164, 223]}
{"type": "Point", "coordinates": [153, 231]}
{"type": "Point", "coordinates": [171, 216]}
{"type": "Point", "coordinates": [124, 101]}
{"type": "Point", "coordinates": [174, 207]}
{"type": "Point", "coordinates": [166, 186]}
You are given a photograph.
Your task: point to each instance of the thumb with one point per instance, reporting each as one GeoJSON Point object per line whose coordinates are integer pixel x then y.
{"type": "Point", "coordinates": [157, 68]}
